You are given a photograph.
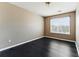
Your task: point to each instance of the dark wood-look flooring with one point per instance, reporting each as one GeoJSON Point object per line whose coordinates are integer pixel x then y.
{"type": "Point", "coordinates": [44, 47]}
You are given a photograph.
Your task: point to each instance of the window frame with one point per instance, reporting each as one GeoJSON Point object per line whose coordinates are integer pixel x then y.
{"type": "Point", "coordinates": [57, 18]}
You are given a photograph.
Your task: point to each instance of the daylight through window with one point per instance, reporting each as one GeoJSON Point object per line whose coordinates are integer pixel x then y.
{"type": "Point", "coordinates": [60, 25]}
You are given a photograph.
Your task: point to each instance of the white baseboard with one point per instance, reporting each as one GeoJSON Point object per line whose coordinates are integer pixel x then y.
{"type": "Point", "coordinates": [19, 44]}
{"type": "Point", "coordinates": [2, 49]}
{"type": "Point", "coordinates": [60, 39]}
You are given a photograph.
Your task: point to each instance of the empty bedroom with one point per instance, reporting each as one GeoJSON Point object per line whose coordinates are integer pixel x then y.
{"type": "Point", "coordinates": [39, 29]}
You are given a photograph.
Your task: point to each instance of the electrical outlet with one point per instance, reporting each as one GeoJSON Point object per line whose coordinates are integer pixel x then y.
{"type": "Point", "coordinates": [9, 41]}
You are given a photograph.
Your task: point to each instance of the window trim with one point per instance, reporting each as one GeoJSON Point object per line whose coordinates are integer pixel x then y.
{"type": "Point", "coordinates": [60, 32]}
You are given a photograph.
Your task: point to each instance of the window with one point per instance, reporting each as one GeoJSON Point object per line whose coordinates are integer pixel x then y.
{"type": "Point", "coordinates": [60, 25]}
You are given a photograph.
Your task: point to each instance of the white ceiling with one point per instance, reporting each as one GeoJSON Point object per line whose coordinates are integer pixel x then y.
{"type": "Point", "coordinates": [42, 9]}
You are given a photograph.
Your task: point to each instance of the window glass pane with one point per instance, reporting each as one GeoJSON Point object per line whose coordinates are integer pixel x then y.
{"type": "Point", "coordinates": [60, 25]}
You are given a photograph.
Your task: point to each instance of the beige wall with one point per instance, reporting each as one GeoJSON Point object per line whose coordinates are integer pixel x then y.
{"type": "Point", "coordinates": [77, 28]}
{"type": "Point", "coordinates": [71, 36]}
{"type": "Point", "coordinates": [18, 25]}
